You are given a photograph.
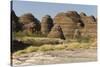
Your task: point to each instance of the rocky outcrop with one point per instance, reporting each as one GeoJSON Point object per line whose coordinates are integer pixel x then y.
{"type": "Point", "coordinates": [82, 14]}
{"type": "Point", "coordinates": [30, 23]}
{"type": "Point", "coordinates": [71, 24]}
{"type": "Point", "coordinates": [16, 26]}
{"type": "Point", "coordinates": [90, 28]}
{"type": "Point", "coordinates": [56, 32]}
{"type": "Point", "coordinates": [68, 22]}
{"type": "Point", "coordinates": [72, 14]}
{"type": "Point", "coordinates": [46, 24]}
{"type": "Point", "coordinates": [72, 21]}
{"type": "Point", "coordinates": [26, 18]}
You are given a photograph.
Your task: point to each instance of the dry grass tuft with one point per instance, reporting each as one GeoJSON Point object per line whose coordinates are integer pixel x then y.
{"type": "Point", "coordinates": [60, 47]}
{"type": "Point", "coordinates": [46, 47]}
{"type": "Point", "coordinates": [65, 46]}
{"type": "Point", "coordinates": [31, 49]}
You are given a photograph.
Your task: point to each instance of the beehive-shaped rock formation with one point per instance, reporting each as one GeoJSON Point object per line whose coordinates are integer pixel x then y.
{"type": "Point", "coordinates": [68, 22]}
{"type": "Point", "coordinates": [82, 14]}
{"type": "Point", "coordinates": [56, 32]}
{"type": "Point", "coordinates": [30, 23]}
{"type": "Point", "coordinates": [46, 24]}
{"type": "Point", "coordinates": [90, 25]}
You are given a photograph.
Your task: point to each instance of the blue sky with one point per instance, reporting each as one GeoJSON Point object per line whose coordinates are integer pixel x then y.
{"type": "Point", "coordinates": [40, 9]}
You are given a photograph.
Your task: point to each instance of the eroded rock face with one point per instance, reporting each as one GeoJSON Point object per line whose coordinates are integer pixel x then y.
{"type": "Point", "coordinates": [90, 28]}
{"type": "Point", "coordinates": [82, 14]}
{"type": "Point", "coordinates": [72, 14]}
{"type": "Point", "coordinates": [30, 23]}
{"type": "Point", "coordinates": [68, 22]}
{"type": "Point", "coordinates": [46, 24]}
{"type": "Point", "coordinates": [56, 32]}
{"type": "Point", "coordinates": [26, 18]}
{"type": "Point", "coordinates": [71, 21]}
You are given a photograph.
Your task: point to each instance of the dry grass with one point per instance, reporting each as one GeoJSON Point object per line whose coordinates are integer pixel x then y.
{"type": "Point", "coordinates": [60, 47]}
{"type": "Point", "coordinates": [31, 49]}
{"type": "Point", "coordinates": [39, 41]}
{"type": "Point", "coordinates": [46, 47]}
{"type": "Point", "coordinates": [77, 45]}
{"type": "Point", "coordinates": [50, 47]}
{"type": "Point", "coordinates": [46, 44]}
{"type": "Point", "coordinates": [20, 52]}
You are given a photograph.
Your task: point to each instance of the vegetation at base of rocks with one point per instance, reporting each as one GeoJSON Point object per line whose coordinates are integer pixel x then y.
{"type": "Point", "coordinates": [24, 42]}
{"type": "Point", "coordinates": [46, 48]}
{"type": "Point", "coordinates": [26, 50]}
{"type": "Point", "coordinates": [28, 34]}
{"type": "Point", "coordinates": [60, 47]}
{"type": "Point", "coordinates": [78, 45]}
{"type": "Point", "coordinates": [31, 49]}
{"type": "Point", "coordinates": [50, 47]}
{"type": "Point", "coordinates": [20, 52]}
{"type": "Point", "coordinates": [84, 39]}
{"type": "Point", "coordinates": [38, 41]}
{"type": "Point", "coordinates": [34, 44]}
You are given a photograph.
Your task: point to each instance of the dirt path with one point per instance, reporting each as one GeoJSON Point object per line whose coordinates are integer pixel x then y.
{"type": "Point", "coordinates": [55, 57]}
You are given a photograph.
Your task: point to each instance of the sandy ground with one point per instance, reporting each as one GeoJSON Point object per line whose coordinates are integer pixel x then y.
{"type": "Point", "coordinates": [55, 57]}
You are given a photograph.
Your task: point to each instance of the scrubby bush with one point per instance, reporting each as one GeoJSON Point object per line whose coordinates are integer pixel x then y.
{"type": "Point", "coordinates": [20, 52]}
{"type": "Point", "coordinates": [85, 45]}
{"type": "Point", "coordinates": [33, 42]}
{"type": "Point", "coordinates": [73, 46]}
{"type": "Point", "coordinates": [85, 39]}
{"type": "Point", "coordinates": [50, 47]}
{"type": "Point", "coordinates": [46, 48]}
{"type": "Point", "coordinates": [41, 41]}
{"type": "Point", "coordinates": [29, 34]}
{"type": "Point", "coordinates": [60, 47]}
{"type": "Point", "coordinates": [78, 45]}
{"type": "Point", "coordinates": [31, 49]}
{"type": "Point", "coordinates": [19, 34]}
